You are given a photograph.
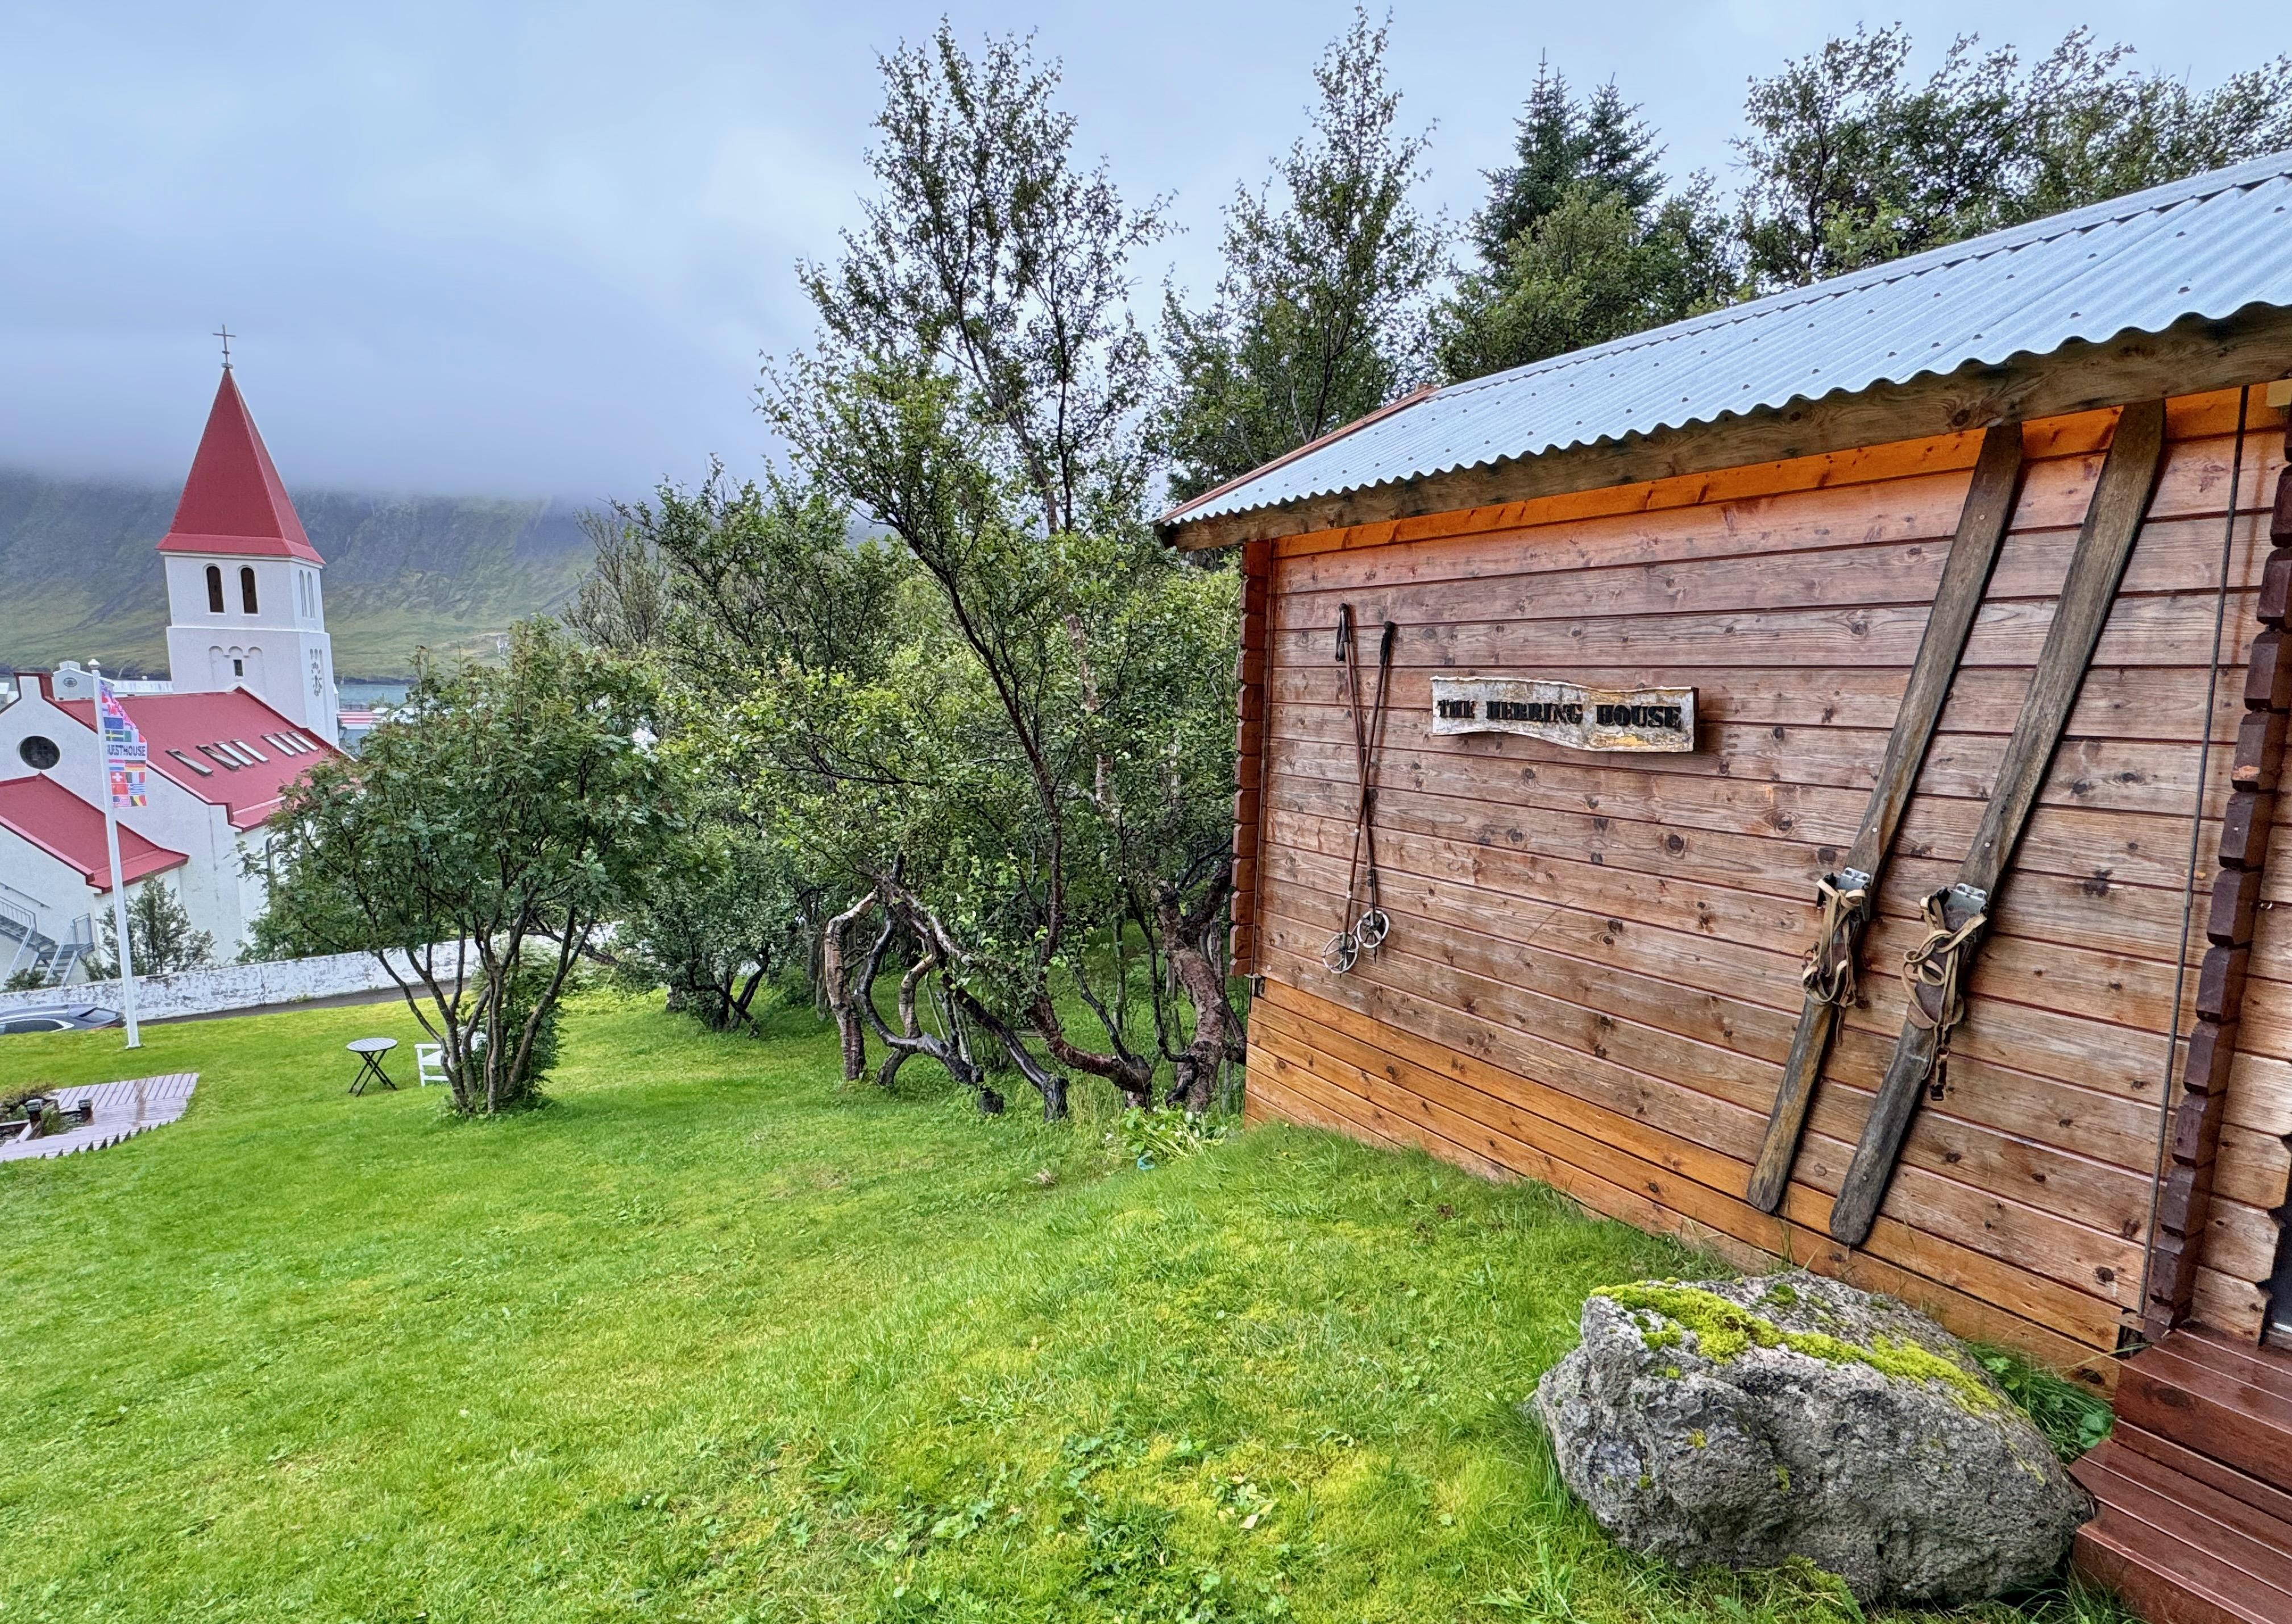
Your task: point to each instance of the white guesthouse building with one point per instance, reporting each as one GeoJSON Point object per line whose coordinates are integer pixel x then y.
{"type": "Point", "coordinates": [252, 706]}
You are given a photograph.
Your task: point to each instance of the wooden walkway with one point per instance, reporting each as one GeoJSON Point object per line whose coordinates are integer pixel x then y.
{"type": "Point", "coordinates": [122, 1110]}
{"type": "Point", "coordinates": [2195, 1485]}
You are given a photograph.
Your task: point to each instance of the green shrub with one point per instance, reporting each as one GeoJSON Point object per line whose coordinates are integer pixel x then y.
{"type": "Point", "coordinates": [1152, 1137]}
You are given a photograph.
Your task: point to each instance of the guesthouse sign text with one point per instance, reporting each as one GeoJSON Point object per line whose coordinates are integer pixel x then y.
{"type": "Point", "coordinates": [1582, 718]}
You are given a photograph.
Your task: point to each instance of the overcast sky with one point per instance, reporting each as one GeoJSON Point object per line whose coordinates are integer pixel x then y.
{"type": "Point", "coordinates": [537, 250]}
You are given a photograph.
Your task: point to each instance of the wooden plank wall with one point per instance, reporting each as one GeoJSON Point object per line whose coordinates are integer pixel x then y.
{"type": "Point", "coordinates": [1593, 971]}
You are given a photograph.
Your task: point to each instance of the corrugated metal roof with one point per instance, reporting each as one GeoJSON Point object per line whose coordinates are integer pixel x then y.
{"type": "Point", "coordinates": [2208, 247]}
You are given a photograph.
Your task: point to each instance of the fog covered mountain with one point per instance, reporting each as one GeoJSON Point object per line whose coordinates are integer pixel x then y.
{"type": "Point", "coordinates": [79, 577]}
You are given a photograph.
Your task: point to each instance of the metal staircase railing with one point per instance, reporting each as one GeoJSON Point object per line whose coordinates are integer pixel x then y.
{"type": "Point", "coordinates": [71, 949]}
{"type": "Point", "coordinates": [20, 926]}
{"type": "Point", "coordinates": [50, 960]}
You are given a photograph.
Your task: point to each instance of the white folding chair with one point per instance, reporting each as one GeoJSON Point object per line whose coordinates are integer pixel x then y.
{"type": "Point", "coordinates": [430, 1061]}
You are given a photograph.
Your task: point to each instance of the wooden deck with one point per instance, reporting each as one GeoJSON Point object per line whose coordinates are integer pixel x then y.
{"type": "Point", "coordinates": [122, 1110]}
{"type": "Point", "coordinates": [2195, 1486]}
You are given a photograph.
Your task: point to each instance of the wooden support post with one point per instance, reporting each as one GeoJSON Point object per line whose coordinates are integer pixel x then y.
{"type": "Point", "coordinates": [1981, 527]}
{"type": "Point", "coordinates": [2104, 546]}
{"type": "Point", "coordinates": [1249, 749]}
{"type": "Point", "coordinates": [2184, 1202]}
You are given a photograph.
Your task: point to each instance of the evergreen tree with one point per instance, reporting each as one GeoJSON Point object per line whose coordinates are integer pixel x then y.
{"type": "Point", "coordinates": [1852, 160]}
{"type": "Point", "coordinates": [1602, 147]}
{"type": "Point", "coordinates": [1579, 244]}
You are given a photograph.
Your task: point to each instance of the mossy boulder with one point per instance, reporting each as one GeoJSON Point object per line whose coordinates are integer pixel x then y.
{"type": "Point", "coordinates": [1744, 1422]}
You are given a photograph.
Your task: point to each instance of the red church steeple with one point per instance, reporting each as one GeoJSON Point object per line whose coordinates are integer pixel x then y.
{"type": "Point", "coordinates": [234, 502]}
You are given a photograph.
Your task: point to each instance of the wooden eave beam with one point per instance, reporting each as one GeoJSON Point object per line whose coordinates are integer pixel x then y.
{"type": "Point", "coordinates": [2193, 355]}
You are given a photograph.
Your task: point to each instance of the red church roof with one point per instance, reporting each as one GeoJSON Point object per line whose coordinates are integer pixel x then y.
{"type": "Point", "coordinates": [234, 502]}
{"type": "Point", "coordinates": [70, 829]}
{"type": "Point", "coordinates": [175, 726]}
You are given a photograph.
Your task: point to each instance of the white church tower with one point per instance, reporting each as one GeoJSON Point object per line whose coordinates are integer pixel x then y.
{"type": "Point", "coordinates": [244, 609]}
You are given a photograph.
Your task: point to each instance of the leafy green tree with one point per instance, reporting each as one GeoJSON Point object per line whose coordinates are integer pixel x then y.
{"type": "Point", "coordinates": [1578, 242]}
{"type": "Point", "coordinates": [757, 602]}
{"type": "Point", "coordinates": [477, 843]}
{"type": "Point", "coordinates": [988, 257]}
{"type": "Point", "coordinates": [2096, 128]}
{"type": "Point", "coordinates": [158, 931]}
{"type": "Point", "coordinates": [729, 918]}
{"type": "Point", "coordinates": [1319, 313]}
{"type": "Point", "coordinates": [726, 583]}
{"type": "Point", "coordinates": [976, 392]}
{"type": "Point", "coordinates": [621, 604]}
{"type": "Point", "coordinates": [1027, 814]}
{"type": "Point", "coordinates": [1853, 161]}
{"type": "Point", "coordinates": [1160, 712]}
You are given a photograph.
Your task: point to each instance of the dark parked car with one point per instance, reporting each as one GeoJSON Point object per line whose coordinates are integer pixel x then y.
{"type": "Point", "coordinates": [58, 1018]}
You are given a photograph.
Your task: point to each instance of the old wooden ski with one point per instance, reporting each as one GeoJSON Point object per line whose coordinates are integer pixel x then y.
{"type": "Point", "coordinates": [1849, 895]}
{"type": "Point", "coordinates": [1957, 916]}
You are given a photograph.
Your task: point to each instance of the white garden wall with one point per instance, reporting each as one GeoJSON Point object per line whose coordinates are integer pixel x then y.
{"type": "Point", "coordinates": [228, 987]}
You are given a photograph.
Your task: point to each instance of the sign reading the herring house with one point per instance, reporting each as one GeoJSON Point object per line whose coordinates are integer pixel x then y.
{"type": "Point", "coordinates": [1582, 718]}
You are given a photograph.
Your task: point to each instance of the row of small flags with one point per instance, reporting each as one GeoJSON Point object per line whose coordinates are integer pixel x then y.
{"type": "Point", "coordinates": [124, 753]}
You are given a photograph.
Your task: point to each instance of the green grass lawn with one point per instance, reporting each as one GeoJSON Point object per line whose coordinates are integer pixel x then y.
{"type": "Point", "coordinates": [715, 1337]}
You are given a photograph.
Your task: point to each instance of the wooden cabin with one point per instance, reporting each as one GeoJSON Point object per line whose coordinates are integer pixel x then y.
{"type": "Point", "coordinates": [1593, 974]}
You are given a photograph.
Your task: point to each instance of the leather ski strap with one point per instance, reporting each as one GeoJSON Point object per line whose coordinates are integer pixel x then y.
{"type": "Point", "coordinates": [1364, 929]}
{"type": "Point", "coordinates": [1958, 915]}
{"type": "Point", "coordinates": [1932, 973]}
{"type": "Point", "coordinates": [1849, 896]}
{"type": "Point", "coordinates": [1340, 950]}
{"type": "Point", "coordinates": [1827, 973]}
{"type": "Point", "coordinates": [1374, 924]}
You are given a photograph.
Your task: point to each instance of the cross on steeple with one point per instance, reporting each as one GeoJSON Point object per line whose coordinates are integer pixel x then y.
{"type": "Point", "coordinates": [223, 331]}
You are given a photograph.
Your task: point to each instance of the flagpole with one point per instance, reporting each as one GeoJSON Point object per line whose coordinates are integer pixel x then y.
{"type": "Point", "coordinates": [118, 884]}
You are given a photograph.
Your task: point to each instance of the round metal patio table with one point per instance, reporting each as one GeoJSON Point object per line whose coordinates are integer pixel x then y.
{"type": "Point", "coordinates": [370, 1051]}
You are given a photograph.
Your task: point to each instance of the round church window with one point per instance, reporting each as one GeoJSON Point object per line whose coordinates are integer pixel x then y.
{"type": "Point", "coordinates": [39, 754]}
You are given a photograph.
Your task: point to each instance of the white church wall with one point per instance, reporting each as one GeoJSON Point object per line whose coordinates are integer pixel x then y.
{"type": "Point", "coordinates": [214, 893]}
{"type": "Point", "coordinates": [280, 651]}
{"type": "Point", "coordinates": [174, 817]}
{"type": "Point", "coordinates": [36, 882]}
{"type": "Point", "coordinates": [210, 888]}
{"type": "Point", "coordinates": [250, 852]}
{"type": "Point", "coordinates": [279, 600]}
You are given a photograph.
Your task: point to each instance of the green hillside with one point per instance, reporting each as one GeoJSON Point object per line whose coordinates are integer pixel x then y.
{"type": "Point", "coordinates": [79, 578]}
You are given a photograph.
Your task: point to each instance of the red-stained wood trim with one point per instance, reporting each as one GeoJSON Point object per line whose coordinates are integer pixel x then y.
{"type": "Point", "coordinates": [1250, 752]}
{"type": "Point", "coordinates": [2217, 1475]}
{"type": "Point", "coordinates": [2184, 1201]}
